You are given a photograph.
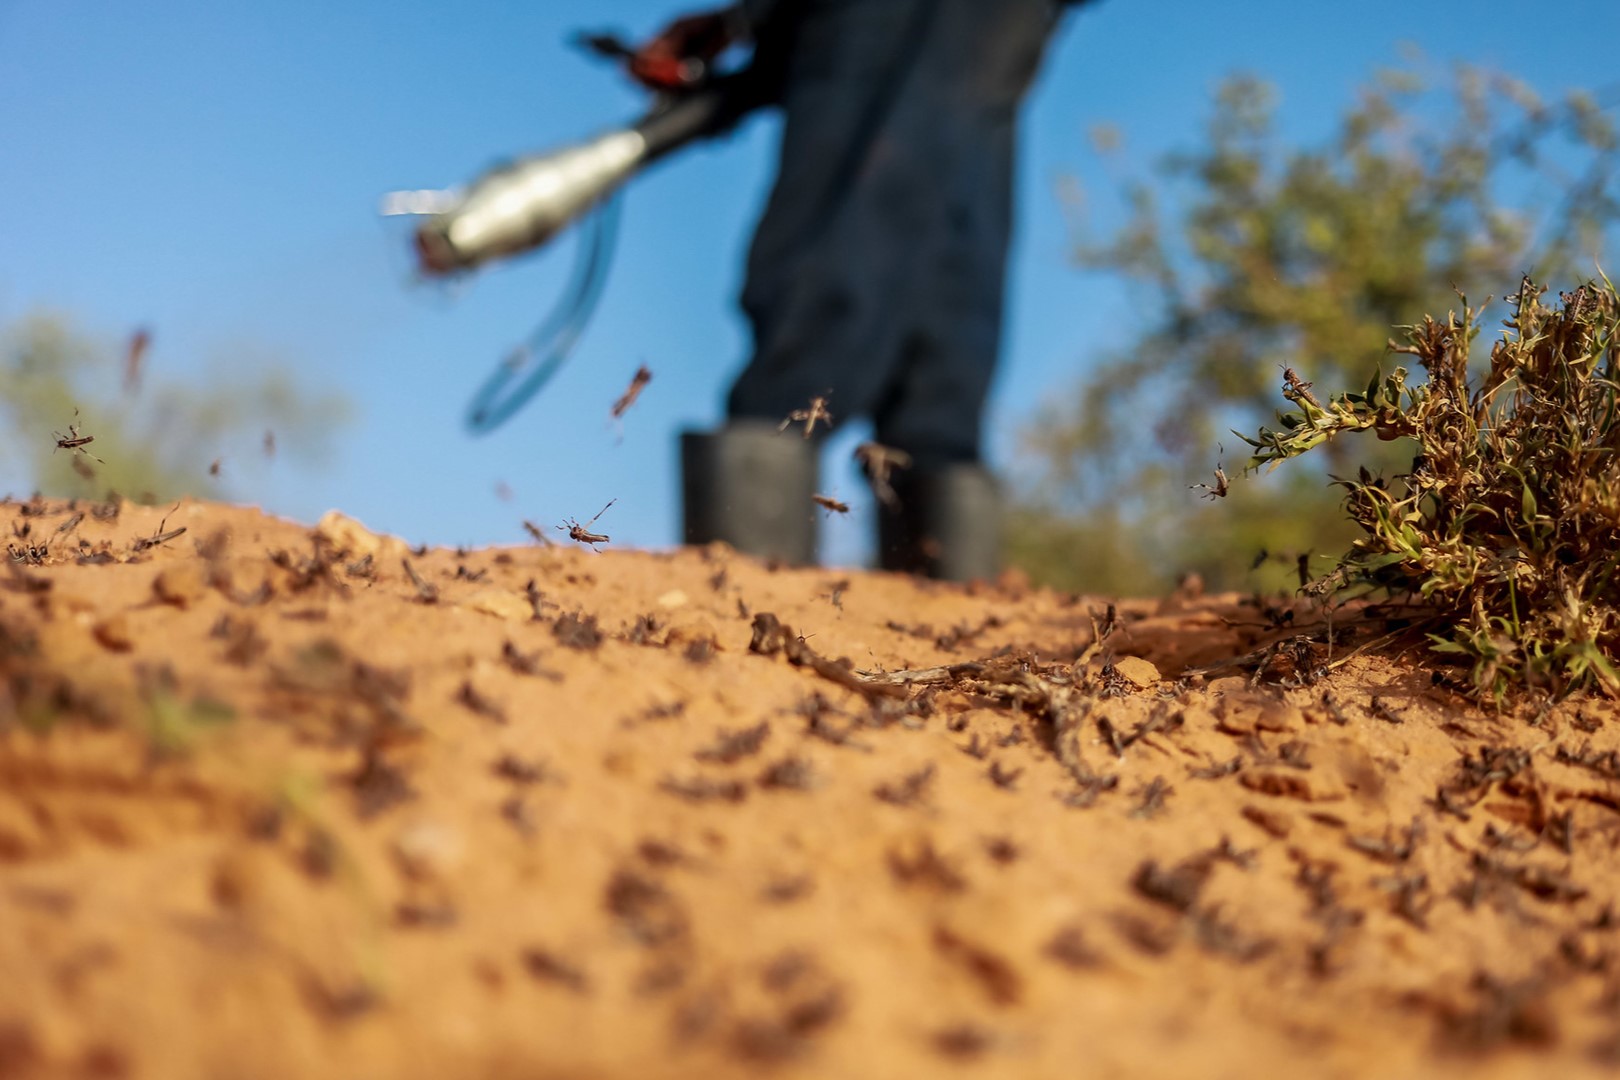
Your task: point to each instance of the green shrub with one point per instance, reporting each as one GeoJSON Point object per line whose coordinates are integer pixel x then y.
{"type": "Point", "coordinates": [1506, 530]}
{"type": "Point", "coordinates": [1248, 242]}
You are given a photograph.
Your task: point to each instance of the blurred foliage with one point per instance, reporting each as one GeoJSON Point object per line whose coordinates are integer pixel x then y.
{"type": "Point", "coordinates": [1505, 528]}
{"type": "Point", "coordinates": [154, 439]}
{"type": "Point", "coordinates": [1246, 255]}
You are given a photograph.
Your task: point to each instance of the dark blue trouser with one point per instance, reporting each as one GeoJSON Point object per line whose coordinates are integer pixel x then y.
{"type": "Point", "coordinates": [877, 269]}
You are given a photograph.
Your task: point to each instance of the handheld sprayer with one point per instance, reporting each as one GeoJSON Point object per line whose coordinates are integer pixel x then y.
{"type": "Point", "coordinates": [524, 204]}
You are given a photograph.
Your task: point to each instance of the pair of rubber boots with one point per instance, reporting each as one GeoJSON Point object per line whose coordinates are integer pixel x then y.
{"type": "Point", "coordinates": [750, 485]}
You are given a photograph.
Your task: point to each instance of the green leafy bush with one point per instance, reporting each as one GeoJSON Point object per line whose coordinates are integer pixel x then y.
{"type": "Point", "coordinates": [1248, 248]}
{"type": "Point", "coordinates": [1506, 529]}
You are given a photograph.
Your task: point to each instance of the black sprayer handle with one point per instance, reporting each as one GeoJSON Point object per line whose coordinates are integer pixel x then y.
{"type": "Point", "coordinates": [712, 110]}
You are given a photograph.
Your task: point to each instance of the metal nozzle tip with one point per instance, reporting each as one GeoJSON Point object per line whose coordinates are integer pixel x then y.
{"type": "Point", "coordinates": [425, 201]}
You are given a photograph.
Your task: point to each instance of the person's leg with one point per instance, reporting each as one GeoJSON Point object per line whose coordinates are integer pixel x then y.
{"type": "Point", "coordinates": [876, 271]}
{"type": "Point", "coordinates": [946, 520]}
{"type": "Point", "coordinates": [830, 259]}
{"type": "Point", "coordinates": [750, 486]}
{"type": "Point", "coordinates": [819, 282]}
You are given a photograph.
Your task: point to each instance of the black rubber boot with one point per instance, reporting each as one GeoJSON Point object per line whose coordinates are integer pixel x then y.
{"type": "Point", "coordinates": [750, 486]}
{"type": "Point", "coordinates": [946, 524]}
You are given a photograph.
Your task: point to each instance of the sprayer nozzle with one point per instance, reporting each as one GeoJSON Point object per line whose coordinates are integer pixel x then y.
{"type": "Point", "coordinates": [434, 254]}
{"type": "Point", "coordinates": [425, 201]}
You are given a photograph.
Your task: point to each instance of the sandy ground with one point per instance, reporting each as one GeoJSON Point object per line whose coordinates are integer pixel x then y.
{"type": "Point", "coordinates": [270, 808]}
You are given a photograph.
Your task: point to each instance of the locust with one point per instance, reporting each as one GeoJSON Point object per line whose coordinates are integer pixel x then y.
{"type": "Point", "coordinates": [1219, 489]}
{"type": "Point", "coordinates": [163, 534]}
{"type": "Point", "coordinates": [878, 461]}
{"type": "Point", "coordinates": [638, 382]}
{"type": "Point", "coordinates": [808, 417]}
{"type": "Point", "coordinates": [1296, 389]}
{"type": "Point", "coordinates": [135, 359]}
{"type": "Point", "coordinates": [582, 533]}
{"type": "Point", "coordinates": [73, 440]}
{"type": "Point", "coordinates": [827, 502]}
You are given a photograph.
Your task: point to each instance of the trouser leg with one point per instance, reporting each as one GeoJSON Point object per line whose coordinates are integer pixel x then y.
{"type": "Point", "coordinates": [877, 270]}
{"type": "Point", "coordinates": [750, 486]}
{"type": "Point", "coordinates": [944, 523]}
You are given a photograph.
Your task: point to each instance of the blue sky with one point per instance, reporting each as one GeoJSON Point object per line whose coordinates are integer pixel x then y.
{"type": "Point", "coordinates": [211, 170]}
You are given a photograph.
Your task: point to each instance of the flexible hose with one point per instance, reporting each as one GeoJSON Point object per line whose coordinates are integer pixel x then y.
{"type": "Point", "coordinates": [532, 364]}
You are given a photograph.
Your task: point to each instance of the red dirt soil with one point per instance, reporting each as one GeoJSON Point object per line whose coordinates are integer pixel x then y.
{"type": "Point", "coordinates": [271, 809]}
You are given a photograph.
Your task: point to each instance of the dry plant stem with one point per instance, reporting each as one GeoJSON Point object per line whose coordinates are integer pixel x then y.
{"type": "Point", "coordinates": [1369, 646]}
{"type": "Point", "coordinates": [1058, 701]}
{"type": "Point", "coordinates": [1260, 655]}
{"type": "Point", "coordinates": [922, 676]}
